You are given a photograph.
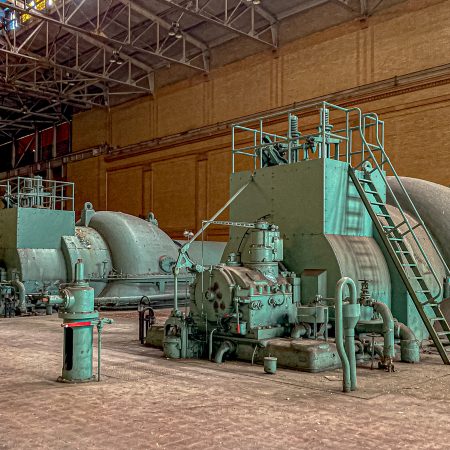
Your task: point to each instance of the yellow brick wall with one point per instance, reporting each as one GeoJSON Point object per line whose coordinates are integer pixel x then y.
{"type": "Point", "coordinates": [187, 182]}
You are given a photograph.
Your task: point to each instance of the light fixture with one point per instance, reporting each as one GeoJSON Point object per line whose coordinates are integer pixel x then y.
{"type": "Point", "coordinates": [175, 30]}
{"type": "Point", "coordinates": [115, 58]}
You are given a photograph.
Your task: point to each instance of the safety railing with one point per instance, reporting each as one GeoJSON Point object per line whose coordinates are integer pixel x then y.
{"type": "Point", "coordinates": [36, 192]}
{"type": "Point", "coordinates": [254, 138]}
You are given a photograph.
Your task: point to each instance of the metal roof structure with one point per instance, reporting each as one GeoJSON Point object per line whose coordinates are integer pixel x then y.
{"type": "Point", "coordinates": [62, 56]}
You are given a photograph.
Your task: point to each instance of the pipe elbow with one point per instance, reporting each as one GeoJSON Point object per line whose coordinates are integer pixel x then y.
{"type": "Point", "coordinates": [224, 348]}
{"type": "Point", "coordinates": [388, 328]}
{"type": "Point", "coordinates": [299, 330]}
{"type": "Point", "coordinates": [409, 345]}
{"type": "Point", "coordinates": [22, 297]}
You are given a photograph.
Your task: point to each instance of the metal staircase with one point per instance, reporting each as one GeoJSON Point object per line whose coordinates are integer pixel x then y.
{"type": "Point", "coordinates": [373, 158]}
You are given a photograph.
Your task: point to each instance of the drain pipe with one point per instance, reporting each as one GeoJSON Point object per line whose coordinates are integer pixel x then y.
{"type": "Point", "coordinates": [347, 316]}
{"type": "Point", "coordinates": [387, 330]}
{"type": "Point", "coordinates": [409, 345]}
{"type": "Point", "coordinates": [225, 347]}
{"type": "Point", "coordinates": [210, 343]}
{"type": "Point", "coordinates": [21, 290]}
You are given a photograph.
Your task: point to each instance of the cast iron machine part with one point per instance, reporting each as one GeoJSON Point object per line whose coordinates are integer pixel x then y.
{"type": "Point", "coordinates": [76, 301]}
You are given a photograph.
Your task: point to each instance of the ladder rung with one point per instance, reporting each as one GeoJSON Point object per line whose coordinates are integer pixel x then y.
{"type": "Point", "coordinates": [364, 180]}
{"type": "Point", "coordinates": [377, 203]}
{"type": "Point", "coordinates": [423, 292]}
{"type": "Point", "coordinates": [395, 239]}
{"type": "Point", "coordinates": [383, 215]}
{"type": "Point", "coordinates": [409, 265]}
{"type": "Point", "coordinates": [404, 252]}
{"type": "Point", "coordinates": [437, 319]}
{"type": "Point", "coordinates": [411, 229]}
{"type": "Point", "coordinates": [443, 333]}
{"type": "Point", "coordinates": [417, 278]}
{"type": "Point", "coordinates": [371, 192]}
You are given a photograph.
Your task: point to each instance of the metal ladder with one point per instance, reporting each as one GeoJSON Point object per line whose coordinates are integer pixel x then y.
{"type": "Point", "coordinates": [393, 238]}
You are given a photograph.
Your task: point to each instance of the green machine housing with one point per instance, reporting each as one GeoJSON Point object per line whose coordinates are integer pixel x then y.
{"type": "Point", "coordinates": [301, 229]}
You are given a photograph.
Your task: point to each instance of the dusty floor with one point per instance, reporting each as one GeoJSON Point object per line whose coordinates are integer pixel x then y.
{"type": "Point", "coordinates": [146, 401]}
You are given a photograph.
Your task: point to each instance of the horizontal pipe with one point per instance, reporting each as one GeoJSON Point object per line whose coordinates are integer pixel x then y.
{"type": "Point", "coordinates": [102, 301]}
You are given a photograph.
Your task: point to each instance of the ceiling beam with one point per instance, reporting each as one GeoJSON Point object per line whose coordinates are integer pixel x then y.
{"type": "Point", "coordinates": [199, 13]}
{"type": "Point", "coordinates": [301, 7]}
{"type": "Point", "coordinates": [145, 12]}
{"type": "Point", "coordinates": [98, 38]}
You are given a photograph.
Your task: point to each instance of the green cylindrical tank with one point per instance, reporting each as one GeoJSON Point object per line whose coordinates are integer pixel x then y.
{"type": "Point", "coordinates": [78, 315]}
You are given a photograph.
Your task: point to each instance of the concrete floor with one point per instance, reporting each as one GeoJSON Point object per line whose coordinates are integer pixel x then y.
{"type": "Point", "coordinates": [147, 401]}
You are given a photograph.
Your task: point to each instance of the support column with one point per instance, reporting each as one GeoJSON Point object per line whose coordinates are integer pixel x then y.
{"type": "Point", "coordinates": [13, 153]}
{"type": "Point", "coordinates": [54, 142]}
{"type": "Point", "coordinates": [36, 145]}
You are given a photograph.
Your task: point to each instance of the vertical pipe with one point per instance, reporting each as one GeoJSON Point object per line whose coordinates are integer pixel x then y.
{"type": "Point", "coordinates": [13, 153]}
{"type": "Point", "coordinates": [175, 290]}
{"type": "Point", "coordinates": [99, 350]}
{"type": "Point", "coordinates": [232, 149]}
{"type": "Point", "coordinates": [289, 138]}
{"type": "Point", "coordinates": [36, 145]}
{"type": "Point", "coordinates": [255, 151]}
{"type": "Point", "coordinates": [347, 135]}
{"type": "Point", "coordinates": [339, 337]}
{"type": "Point", "coordinates": [79, 270]}
{"type": "Point", "coordinates": [54, 142]}
{"type": "Point", "coordinates": [346, 354]}
{"type": "Point", "coordinates": [260, 143]}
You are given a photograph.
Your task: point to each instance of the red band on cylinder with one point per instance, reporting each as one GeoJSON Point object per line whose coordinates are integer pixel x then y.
{"type": "Point", "coordinates": [76, 324]}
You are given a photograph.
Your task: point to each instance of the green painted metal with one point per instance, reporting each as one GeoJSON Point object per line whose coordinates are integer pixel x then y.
{"type": "Point", "coordinates": [419, 290]}
{"type": "Point", "coordinates": [303, 220]}
{"type": "Point", "coordinates": [254, 304]}
{"type": "Point", "coordinates": [125, 258]}
{"type": "Point", "coordinates": [79, 318]}
{"type": "Point", "coordinates": [270, 364]}
{"type": "Point", "coordinates": [358, 142]}
{"type": "Point", "coordinates": [78, 314]}
{"type": "Point", "coordinates": [346, 318]}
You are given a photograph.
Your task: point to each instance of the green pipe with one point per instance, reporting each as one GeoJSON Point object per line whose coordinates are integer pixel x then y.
{"type": "Point", "coordinates": [99, 351]}
{"type": "Point", "coordinates": [409, 345]}
{"type": "Point", "coordinates": [20, 288]}
{"type": "Point", "coordinates": [225, 347]}
{"type": "Point", "coordinates": [300, 330]}
{"type": "Point", "coordinates": [388, 330]}
{"type": "Point", "coordinates": [350, 314]}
